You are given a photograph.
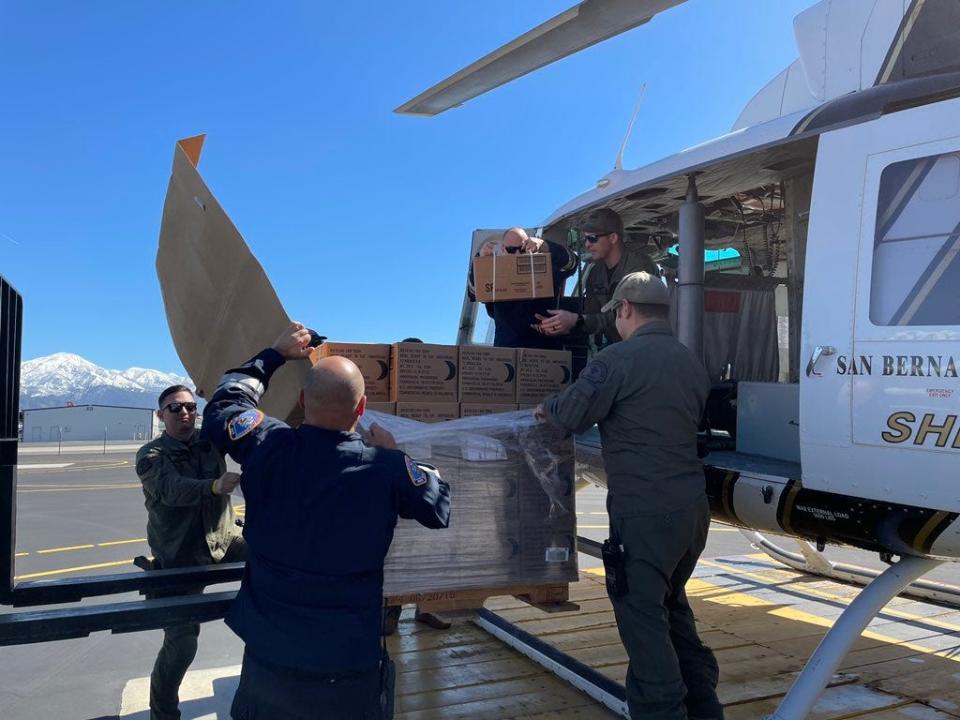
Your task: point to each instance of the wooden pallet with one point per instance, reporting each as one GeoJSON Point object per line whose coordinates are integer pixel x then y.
{"type": "Point", "coordinates": [547, 597]}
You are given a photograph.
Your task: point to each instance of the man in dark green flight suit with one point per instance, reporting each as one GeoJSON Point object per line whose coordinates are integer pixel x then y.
{"type": "Point", "coordinates": [190, 521]}
{"type": "Point", "coordinates": [610, 261]}
{"type": "Point", "coordinates": [647, 394]}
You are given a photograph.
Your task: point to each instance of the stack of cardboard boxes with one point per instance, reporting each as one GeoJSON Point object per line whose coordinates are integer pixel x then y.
{"type": "Point", "coordinates": [513, 519]}
{"type": "Point", "coordinates": [432, 383]}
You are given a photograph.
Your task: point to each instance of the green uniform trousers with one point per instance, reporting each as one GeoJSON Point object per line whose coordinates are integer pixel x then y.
{"type": "Point", "coordinates": [672, 674]}
{"type": "Point", "coordinates": [178, 651]}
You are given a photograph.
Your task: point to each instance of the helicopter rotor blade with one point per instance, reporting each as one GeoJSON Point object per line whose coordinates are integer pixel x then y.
{"type": "Point", "coordinates": [575, 29]}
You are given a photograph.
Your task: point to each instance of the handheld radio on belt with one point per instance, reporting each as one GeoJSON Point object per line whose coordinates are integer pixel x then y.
{"type": "Point", "coordinates": [614, 566]}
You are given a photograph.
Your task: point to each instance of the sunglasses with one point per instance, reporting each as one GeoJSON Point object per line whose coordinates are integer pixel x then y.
{"type": "Point", "coordinates": [176, 407]}
{"type": "Point", "coordinates": [595, 238]}
{"type": "Point", "coordinates": [513, 249]}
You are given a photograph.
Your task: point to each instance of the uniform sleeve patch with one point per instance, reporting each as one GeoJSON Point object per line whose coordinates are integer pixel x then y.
{"type": "Point", "coordinates": [244, 424]}
{"type": "Point", "coordinates": [595, 372]}
{"type": "Point", "coordinates": [417, 476]}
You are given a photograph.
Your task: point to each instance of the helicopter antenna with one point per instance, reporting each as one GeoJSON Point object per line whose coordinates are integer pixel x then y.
{"type": "Point", "coordinates": [618, 164]}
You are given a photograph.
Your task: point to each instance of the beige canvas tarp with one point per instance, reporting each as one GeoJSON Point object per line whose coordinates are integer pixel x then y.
{"type": "Point", "coordinates": [220, 305]}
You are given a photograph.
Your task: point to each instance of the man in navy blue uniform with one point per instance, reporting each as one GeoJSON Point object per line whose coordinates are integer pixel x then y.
{"type": "Point", "coordinates": [321, 509]}
{"type": "Point", "coordinates": [515, 321]}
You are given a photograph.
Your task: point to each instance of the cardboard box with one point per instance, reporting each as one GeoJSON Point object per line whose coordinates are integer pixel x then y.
{"type": "Point", "coordinates": [478, 409]}
{"type": "Point", "coordinates": [512, 277]}
{"type": "Point", "coordinates": [541, 373]}
{"type": "Point", "coordinates": [372, 359]}
{"type": "Point", "coordinates": [385, 407]}
{"type": "Point", "coordinates": [423, 373]}
{"type": "Point", "coordinates": [488, 374]}
{"type": "Point", "coordinates": [428, 412]}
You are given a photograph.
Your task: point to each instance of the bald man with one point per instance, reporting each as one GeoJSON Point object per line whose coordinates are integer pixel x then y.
{"type": "Point", "coordinates": [515, 321]}
{"type": "Point", "coordinates": [321, 508]}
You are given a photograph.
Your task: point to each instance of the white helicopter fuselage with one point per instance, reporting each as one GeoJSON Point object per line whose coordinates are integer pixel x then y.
{"type": "Point", "coordinates": [869, 178]}
{"type": "Point", "coordinates": [840, 184]}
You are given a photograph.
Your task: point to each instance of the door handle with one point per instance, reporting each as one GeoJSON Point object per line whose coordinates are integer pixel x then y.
{"type": "Point", "coordinates": [818, 352]}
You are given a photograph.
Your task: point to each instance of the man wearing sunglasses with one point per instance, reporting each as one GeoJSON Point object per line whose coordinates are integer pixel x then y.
{"type": "Point", "coordinates": [611, 260]}
{"type": "Point", "coordinates": [514, 320]}
{"type": "Point", "coordinates": [190, 521]}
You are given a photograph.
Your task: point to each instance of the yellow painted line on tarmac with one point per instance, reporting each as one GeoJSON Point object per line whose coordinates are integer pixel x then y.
{"type": "Point", "coordinates": [777, 576]}
{"type": "Point", "coordinates": [74, 467]}
{"type": "Point", "coordinates": [79, 568]}
{"type": "Point", "coordinates": [102, 466]}
{"type": "Point", "coordinates": [87, 546]}
{"type": "Point", "coordinates": [592, 512]}
{"type": "Point", "coordinates": [75, 488]}
{"type": "Point", "coordinates": [64, 549]}
{"type": "Point", "coordinates": [121, 542]}
{"type": "Point", "coordinates": [593, 527]}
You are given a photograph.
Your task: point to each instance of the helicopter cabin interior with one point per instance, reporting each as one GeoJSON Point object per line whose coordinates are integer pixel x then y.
{"type": "Point", "coordinates": [755, 209]}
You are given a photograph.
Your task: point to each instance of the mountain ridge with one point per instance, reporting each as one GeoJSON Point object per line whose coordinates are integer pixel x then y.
{"type": "Point", "coordinates": [61, 378]}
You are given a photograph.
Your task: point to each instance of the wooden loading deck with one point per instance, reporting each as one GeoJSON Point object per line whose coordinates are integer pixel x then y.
{"type": "Point", "coordinates": [762, 621]}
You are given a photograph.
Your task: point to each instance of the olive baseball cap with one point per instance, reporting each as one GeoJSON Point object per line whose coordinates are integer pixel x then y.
{"type": "Point", "coordinates": [602, 221]}
{"type": "Point", "coordinates": [641, 288]}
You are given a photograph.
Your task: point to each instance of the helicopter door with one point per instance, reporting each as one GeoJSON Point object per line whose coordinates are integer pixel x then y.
{"type": "Point", "coordinates": [900, 373]}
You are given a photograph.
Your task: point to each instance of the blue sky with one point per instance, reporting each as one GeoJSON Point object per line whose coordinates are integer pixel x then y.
{"type": "Point", "coordinates": [360, 217]}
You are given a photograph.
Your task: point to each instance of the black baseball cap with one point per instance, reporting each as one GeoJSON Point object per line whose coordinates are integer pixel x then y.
{"type": "Point", "coordinates": [602, 221]}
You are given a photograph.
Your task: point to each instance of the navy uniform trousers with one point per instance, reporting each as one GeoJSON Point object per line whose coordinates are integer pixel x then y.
{"type": "Point", "coordinates": [270, 692]}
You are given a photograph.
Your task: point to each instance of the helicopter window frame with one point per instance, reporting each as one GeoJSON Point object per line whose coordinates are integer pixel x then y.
{"type": "Point", "coordinates": [915, 263]}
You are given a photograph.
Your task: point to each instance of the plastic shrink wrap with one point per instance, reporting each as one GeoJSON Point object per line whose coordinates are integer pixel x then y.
{"type": "Point", "coordinates": [513, 518]}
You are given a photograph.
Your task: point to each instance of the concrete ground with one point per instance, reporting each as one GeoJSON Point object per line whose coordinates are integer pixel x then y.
{"type": "Point", "coordinates": [80, 512]}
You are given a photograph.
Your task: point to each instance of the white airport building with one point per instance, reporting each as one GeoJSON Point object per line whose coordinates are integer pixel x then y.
{"type": "Point", "coordinates": [90, 422]}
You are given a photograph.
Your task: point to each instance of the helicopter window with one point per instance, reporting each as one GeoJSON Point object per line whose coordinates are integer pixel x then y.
{"type": "Point", "coordinates": [916, 255]}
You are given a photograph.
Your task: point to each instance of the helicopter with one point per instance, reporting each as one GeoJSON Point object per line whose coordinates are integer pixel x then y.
{"type": "Point", "coordinates": [835, 345]}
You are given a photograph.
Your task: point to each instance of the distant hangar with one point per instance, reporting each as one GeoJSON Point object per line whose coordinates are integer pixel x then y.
{"type": "Point", "coordinates": [91, 423]}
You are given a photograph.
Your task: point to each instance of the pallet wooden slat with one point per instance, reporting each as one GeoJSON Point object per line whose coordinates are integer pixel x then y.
{"type": "Point", "coordinates": [473, 598]}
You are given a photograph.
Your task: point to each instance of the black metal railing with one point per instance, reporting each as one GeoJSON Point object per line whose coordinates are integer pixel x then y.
{"type": "Point", "coordinates": [11, 331]}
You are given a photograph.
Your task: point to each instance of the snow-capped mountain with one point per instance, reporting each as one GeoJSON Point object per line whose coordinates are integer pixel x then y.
{"type": "Point", "coordinates": [60, 378]}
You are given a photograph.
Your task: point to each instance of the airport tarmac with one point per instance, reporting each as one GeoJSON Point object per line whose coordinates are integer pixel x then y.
{"type": "Point", "coordinates": [81, 512]}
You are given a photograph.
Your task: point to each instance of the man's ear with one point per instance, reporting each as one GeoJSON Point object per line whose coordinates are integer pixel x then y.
{"type": "Point", "coordinates": [160, 415]}
{"type": "Point", "coordinates": [300, 402]}
{"type": "Point", "coordinates": [361, 406]}
{"type": "Point", "coordinates": [617, 236]}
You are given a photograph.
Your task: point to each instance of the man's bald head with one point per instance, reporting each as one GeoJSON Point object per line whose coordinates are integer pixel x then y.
{"type": "Point", "coordinates": [514, 236]}
{"type": "Point", "coordinates": [333, 393]}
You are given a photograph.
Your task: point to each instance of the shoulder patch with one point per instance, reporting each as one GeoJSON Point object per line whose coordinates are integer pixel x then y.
{"type": "Point", "coordinates": [595, 372]}
{"type": "Point", "coordinates": [417, 476]}
{"type": "Point", "coordinates": [244, 423]}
